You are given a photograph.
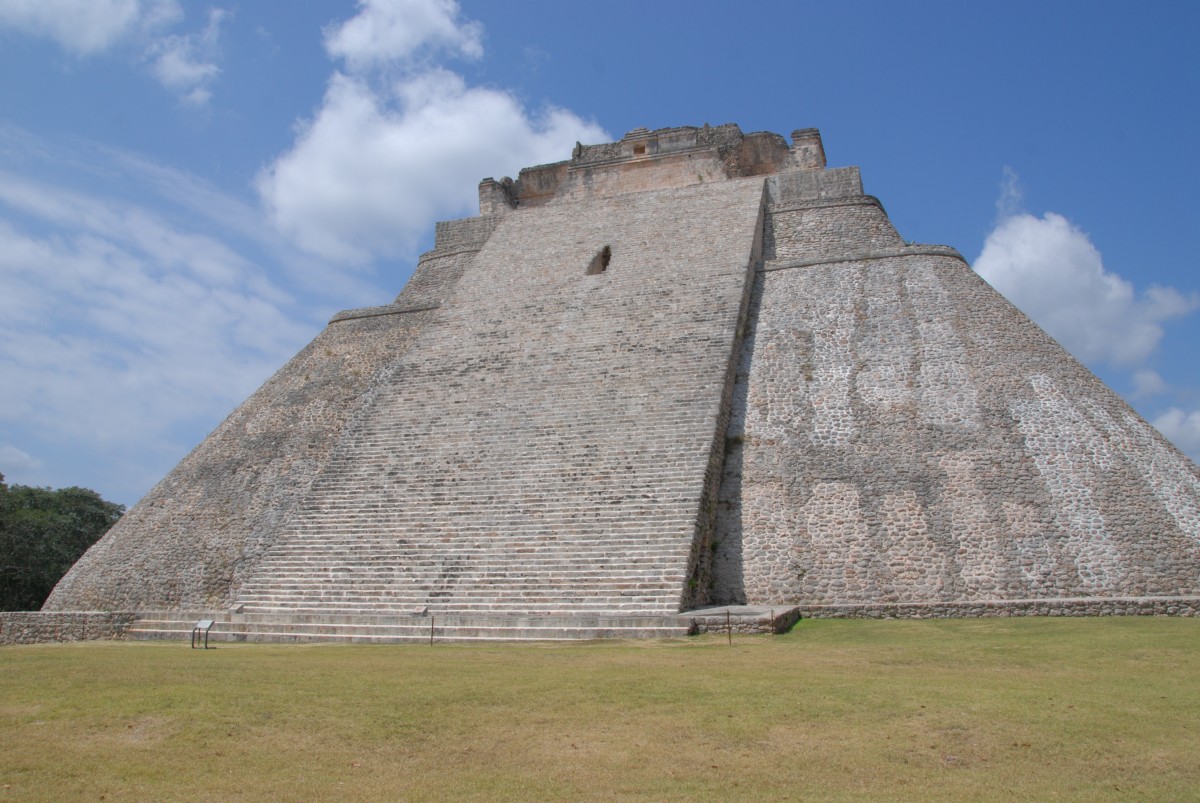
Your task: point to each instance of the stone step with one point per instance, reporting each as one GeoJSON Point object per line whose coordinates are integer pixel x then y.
{"type": "Point", "coordinates": [499, 572]}
{"type": "Point", "coordinates": [416, 603]}
{"type": "Point", "coordinates": [602, 607]}
{"type": "Point", "coordinates": [402, 541]}
{"type": "Point", "coordinates": [464, 585]}
{"type": "Point", "coordinates": [384, 629]}
{"type": "Point", "coordinates": [466, 590]}
{"type": "Point", "coordinates": [562, 619]}
{"type": "Point", "coordinates": [581, 562]}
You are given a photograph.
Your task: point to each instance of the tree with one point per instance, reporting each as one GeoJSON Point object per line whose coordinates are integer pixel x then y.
{"type": "Point", "coordinates": [42, 533]}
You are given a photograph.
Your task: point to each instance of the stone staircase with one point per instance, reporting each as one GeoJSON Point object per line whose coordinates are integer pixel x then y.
{"type": "Point", "coordinates": [535, 466]}
{"type": "Point", "coordinates": [377, 572]}
{"type": "Point", "coordinates": [399, 628]}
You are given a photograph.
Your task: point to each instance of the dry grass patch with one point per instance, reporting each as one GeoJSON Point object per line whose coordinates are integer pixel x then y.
{"type": "Point", "coordinates": [985, 709]}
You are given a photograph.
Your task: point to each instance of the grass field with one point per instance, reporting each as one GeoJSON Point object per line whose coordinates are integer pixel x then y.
{"type": "Point", "coordinates": [1033, 709]}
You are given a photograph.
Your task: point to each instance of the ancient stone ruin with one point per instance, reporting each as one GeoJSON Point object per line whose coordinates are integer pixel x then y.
{"type": "Point", "coordinates": [691, 368]}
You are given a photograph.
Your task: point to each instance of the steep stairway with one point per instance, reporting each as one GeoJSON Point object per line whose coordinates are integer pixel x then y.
{"type": "Point", "coordinates": [544, 450]}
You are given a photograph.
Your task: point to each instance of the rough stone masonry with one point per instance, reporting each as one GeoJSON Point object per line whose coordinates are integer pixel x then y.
{"type": "Point", "coordinates": [691, 367]}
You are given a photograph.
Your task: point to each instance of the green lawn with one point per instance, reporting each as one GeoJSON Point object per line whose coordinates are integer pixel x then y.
{"type": "Point", "coordinates": [1033, 709]}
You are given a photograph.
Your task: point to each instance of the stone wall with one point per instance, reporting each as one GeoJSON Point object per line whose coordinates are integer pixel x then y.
{"type": "Point", "coordinates": [39, 627]}
{"type": "Point", "coordinates": [1119, 606]}
{"type": "Point", "coordinates": [820, 230]}
{"type": "Point", "coordinates": [903, 434]}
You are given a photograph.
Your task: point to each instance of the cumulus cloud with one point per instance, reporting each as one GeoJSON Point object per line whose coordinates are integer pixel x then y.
{"type": "Point", "coordinates": [386, 31]}
{"type": "Point", "coordinates": [1181, 428]}
{"type": "Point", "coordinates": [398, 142]}
{"type": "Point", "coordinates": [1052, 271]}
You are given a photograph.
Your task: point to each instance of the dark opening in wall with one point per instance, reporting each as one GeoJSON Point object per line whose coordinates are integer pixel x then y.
{"type": "Point", "coordinates": [639, 150]}
{"type": "Point", "coordinates": [600, 261]}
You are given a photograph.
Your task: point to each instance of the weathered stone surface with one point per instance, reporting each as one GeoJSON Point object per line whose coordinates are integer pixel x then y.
{"type": "Point", "coordinates": [903, 434]}
{"type": "Point", "coordinates": [545, 445]}
{"type": "Point", "coordinates": [759, 393]}
{"type": "Point", "coordinates": [38, 627]}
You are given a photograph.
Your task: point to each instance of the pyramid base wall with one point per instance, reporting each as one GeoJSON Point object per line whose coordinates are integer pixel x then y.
{"type": "Point", "coordinates": [42, 627]}
{"type": "Point", "coordinates": [1117, 606]}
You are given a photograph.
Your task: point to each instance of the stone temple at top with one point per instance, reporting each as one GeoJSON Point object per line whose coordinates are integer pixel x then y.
{"type": "Point", "coordinates": [694, 367]}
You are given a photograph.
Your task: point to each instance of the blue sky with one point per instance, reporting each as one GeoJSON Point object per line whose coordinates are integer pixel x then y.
{"type": "Point", "coordinates": [189, 190]}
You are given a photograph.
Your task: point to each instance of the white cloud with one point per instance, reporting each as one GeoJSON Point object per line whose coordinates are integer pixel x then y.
{"type": "Point", "coordinates": [186, 62]}
{"type": "Point", "coordinates": [1051, 270]}
{"type": "Point", "coordinates": [385, 31]}
{"type": "Point", "coordinates": [182, 63]}
{"type": "Point", "coordinates": [1147, 383]}
{"type": "Point", "coordinates": [85, 27]}
{"type": "Point", "coordinates": [128, 329]}
{"type": "Point", "coordinates": [1181, 428]}
{"type": "Point", "coordinates": [1012, 195]}
{"type": "Point", "coordinates": [381, 161]}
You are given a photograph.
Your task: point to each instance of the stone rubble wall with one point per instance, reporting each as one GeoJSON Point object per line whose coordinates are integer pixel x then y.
{"type": "Point", "coordinates": [901, 433]}
{"type": "Point", "coordinates": [804, 186]}
{"type": "Point", "coordinates": [819, 230]}
{"type": "Point", "coordinates": [1120, 606]}
{"type": "Point", "coordinates": [457, 243]}
{"type": "Point", "coordinates": [40, 627]}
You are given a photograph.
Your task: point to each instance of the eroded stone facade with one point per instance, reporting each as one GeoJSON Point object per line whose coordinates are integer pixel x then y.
{"type": "Point", "coordinates": [904, 435]}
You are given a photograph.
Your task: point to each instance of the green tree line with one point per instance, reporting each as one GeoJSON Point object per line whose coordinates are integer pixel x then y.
{"type": "Point", "coordinates": [42, 533]}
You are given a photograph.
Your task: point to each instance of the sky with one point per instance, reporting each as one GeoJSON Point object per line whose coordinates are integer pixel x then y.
{"type": "Point", "coordinates": [190, 190]}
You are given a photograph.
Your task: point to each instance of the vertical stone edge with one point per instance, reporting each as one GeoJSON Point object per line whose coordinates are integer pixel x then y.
{"type": "Point", "coordinates": [699, 582]}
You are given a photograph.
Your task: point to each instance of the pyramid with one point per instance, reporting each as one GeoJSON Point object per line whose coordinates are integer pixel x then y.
{"type": "Point", "coordinates": [694, 367]}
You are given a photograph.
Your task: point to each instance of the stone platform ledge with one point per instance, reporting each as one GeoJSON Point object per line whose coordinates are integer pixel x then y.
{"type": "Point", "coordinates": [743, 618]}
{"type": "Point", "coordinates": [1063, 606]}
{"type": "Point", "coordinates": [41, 627]}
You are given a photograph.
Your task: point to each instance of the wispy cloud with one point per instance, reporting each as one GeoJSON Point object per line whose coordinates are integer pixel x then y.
{"type": "Point", "coordinates": [130, 325]}
{"type": "Point", "coordinates": [184, 63]}
{"type": "Point", "coordinates": [187, 63]}
{"type": "Point", "coordinates": [87, 27]}
{"type": "Point", "coordinates": [14, 459]}
{"type": "Point", "coordinates": [1147, 383]}
{"type": "Point", "coordinates": [400, 142]}
{"type": "Point", "coordinates": [133, 311]}
{"type": "Point", "coordinates": [139, 304]}
{"type": "Point", "coordinates": [385, 33]}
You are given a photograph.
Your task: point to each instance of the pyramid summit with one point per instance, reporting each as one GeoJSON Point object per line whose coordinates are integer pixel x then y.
{"type": "Point", "coordinates": [694, 367]}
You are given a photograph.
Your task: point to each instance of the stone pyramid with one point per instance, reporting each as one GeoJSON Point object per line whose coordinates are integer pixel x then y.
{"type": "Point", "coordinates": [692, 367]}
